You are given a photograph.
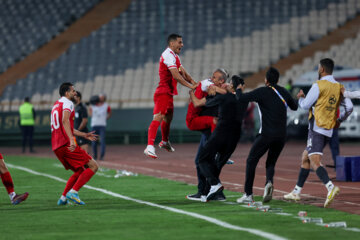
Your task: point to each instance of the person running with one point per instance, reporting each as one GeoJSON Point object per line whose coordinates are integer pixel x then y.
{"type": "Point", "coordinates": [322, 101]}
{"type": "Point", "coordinates": [273, 101]}
{"type": "Point", "coordinates": [225, 137]}
{"type": "Point", "coordinates": [9, 184]}
{"type": "Point", "coordinates": [170, 72]}
{"type": "Point", "coordinates": [63, 144]}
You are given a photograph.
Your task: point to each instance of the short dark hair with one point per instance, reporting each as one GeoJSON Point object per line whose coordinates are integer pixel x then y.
{"type": "Point", "coordinates": [27, 99]}
{"type": "Point", "coordinates": [236, 80]}
{"type": "Point", "coordinates": [78, 94]}
{"type": "Point", "coordinates": [65, 87]}
{"type": "Point", "coordinates": [173, 37]}
{"type": "Point", "coordinates": [327, 64]}
{"type": "Point", "coordinates": [272, 76]}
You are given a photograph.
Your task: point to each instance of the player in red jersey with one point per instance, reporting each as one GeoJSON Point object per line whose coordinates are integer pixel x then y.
{"type": "Point", "coordinates": [67, 151]}
{"type": "Point", "coordinates": [170, 72]}
{"type": "Point", "coordinates": [9, 184]}
{"type": "Point", "coordinates": [194, 121]}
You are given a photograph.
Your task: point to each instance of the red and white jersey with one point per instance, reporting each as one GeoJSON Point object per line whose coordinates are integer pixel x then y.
{"type": "Point", "coordinates": [200, 92]}
{"type": "Point", "coordinates": [59, 137]}
{"type": "Point", "coordinates": [168, 84]}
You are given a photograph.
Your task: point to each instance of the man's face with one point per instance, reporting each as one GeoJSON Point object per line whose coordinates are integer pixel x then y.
{"type": "Point", "coordinates": [77, 99]}
{"type": "Point", "coordinates": [177, 45]}
{"type": "Point", "coordinates": [71, 94]}
{"type": "Point", "coordinates": [217, 79]}
{"type": "Point", "coordinates": [320, 70]}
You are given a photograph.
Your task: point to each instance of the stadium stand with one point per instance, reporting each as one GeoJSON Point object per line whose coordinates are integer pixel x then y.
{"type": "Point", "coordinates": [121, 58]}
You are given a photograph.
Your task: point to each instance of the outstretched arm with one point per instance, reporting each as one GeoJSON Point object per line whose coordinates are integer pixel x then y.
{"type": "Point", "coordinates": [197, 102]}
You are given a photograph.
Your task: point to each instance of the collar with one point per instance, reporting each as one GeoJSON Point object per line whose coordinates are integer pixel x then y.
{"type": "Point", "coordinates": [328, 77]}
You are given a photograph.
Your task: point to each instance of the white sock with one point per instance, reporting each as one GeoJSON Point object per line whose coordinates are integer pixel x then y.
{"type": "Point", "coordinates": [329, 186]}
{"type": "Point", "coordinates": [297, 189]}
{"type": "Point", "coordinates": [73, 191]}
{"type": "Point", "coordinates": [164, 142]}
{"type": "Point", "coordinates": [63, 198]}
{"type": "Point", "coordinates": [12, 195]}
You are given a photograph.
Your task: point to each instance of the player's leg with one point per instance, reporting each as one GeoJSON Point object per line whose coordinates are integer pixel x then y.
{"type": "Point", "coordinates": [69, 184]}
{"type": "Point", "coordinates": [31, 141]}
{"type": "Point", "coordinates": [165, 131]}
{"type": "Point", "coordinates": [102, 142]}
{"type": "Point", "coordinates": [9, 184]}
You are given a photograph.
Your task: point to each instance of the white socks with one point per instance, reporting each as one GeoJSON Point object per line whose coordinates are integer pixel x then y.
{"type": "Point", "coordinates": [73, 191]}
{"type": "Point", "coordinates": [329, 186]}
{"type": "Point", "coordinates": [297, 189]}
{"type": "Point", "coordinates": [63, 198]}
{"type": "Point", "coordinates": [12, 195]}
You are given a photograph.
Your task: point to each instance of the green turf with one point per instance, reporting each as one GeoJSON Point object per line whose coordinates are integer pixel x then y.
{"type": "Point", "coordinates": [108, 217]}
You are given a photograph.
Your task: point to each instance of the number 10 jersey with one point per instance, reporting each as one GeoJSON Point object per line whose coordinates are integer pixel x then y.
{"type": "Point", "coordinates": [59, 137]}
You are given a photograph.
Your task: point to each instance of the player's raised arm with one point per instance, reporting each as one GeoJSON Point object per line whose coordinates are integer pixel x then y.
{"type": "Point", "coordinates": [197, 102]}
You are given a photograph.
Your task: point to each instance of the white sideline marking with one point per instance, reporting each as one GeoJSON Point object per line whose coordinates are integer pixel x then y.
{"type": "Point", "coordinates": [195, 215]}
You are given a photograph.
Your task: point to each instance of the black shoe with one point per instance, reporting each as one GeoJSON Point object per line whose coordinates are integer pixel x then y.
{"type": "Point", "coordinates": [220, 196]}
{"type": "Point", "coordinates": [330, 166]}
{"type": "Point", "coordinates": [194, 197]}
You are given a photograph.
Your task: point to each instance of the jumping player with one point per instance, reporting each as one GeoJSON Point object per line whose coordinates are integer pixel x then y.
{"type": "Point", "coordinates": [65, 148]}
{"type": "Point", "coordinates": [170, 72]}
{"type": "Point", "coordinates": [9, 184]}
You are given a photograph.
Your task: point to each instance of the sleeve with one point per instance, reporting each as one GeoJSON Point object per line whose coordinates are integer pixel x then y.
{"type": "Point", "coordinates": [169, 60]}
{"type": "Point", "coordinates": [108, 109]}
{"type": "Point", "coordinates": [312, 96]}
{"type": "Point", "coordinates": [353, 94]}
{"type": "Point", "coordinates": [348, 106]}
{"type": "Point", "coordinates": [253, 96]}
{"type": "Point", "coordinates": [205, 84]}
{"type": "Point", "coordinates": [68, 105]}
{"type": "Point", "coordinates": [214, 101]}
{"type": "Point", "coordinates": [84, 112]}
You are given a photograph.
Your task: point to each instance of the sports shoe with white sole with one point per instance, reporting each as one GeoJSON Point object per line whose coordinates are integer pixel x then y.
{"type": "Point", "coordinates": [150, 151]}
{"type": "Point", "coordinates": [331, 195]}
{"type": "Point", "coordinates": [213, 190]}
{"type": "Point", "coordinates": [167, 146]}
{"type": "Point", "coordinates": [245, 199]}
{"type": "Point", "coordinates": [292, 196]}
{"type": "Point", "coordinates": [19, 198]}
{"type": "Point", "coordinates": [229, 161]}
{"type": "Point", "coordinates": [61, 202]}
{"type": "Point", "coordinates": [74, 198]}
{"type": "Point", "coordinates": [194, 197]}
{"type": "Point", "coordinates": [268, 191]}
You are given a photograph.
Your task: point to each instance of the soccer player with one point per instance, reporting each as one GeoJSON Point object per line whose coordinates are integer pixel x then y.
{"type": "Point", "coordinates": [9, 184]}
{"type": "Point", "coordinates": [170, 72]}
{"type": "Point", "coordinates": [65, 148]}
{"type": "Point", "coordinates": [322, 101]}
{"type": "Point", "coordinates": [80, 122]}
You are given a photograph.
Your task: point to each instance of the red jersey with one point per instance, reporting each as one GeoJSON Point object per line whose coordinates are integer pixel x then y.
{"type": "Point", "coordinates": [200, 92]}
{"type": "Point", "coordinates": [59, 137]}
{"type": "Point", "coordinates": [167, 83]}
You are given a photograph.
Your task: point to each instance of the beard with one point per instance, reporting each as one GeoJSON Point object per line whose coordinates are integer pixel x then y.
{"type": "Point", "coordinates": [73, 100]}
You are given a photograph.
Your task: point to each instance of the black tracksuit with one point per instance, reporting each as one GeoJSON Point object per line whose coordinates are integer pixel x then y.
{"type": "Point", "coordinates": [225, 136]}
{"type": "Point", "coordinates": [272, 132]}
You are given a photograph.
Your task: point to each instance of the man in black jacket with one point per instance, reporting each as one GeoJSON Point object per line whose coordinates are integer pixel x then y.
{"type": "Point", "coordinates": [225, 137]}
{"type": "Point", "coordinates": [273, 102]}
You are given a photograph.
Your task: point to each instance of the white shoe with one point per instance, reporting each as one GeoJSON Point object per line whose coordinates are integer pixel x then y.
{"type": "Point", "coordinates": [229, 161]}
{"type": "Point", "coordinates": [167, 146]}
{"type": "Point", "coordinates": [331, 195]}
{"type": "Point", "coordinates": [214, 189]}
{"type": "Point", "coordinates": [292, 196]}
{"type": "Point", "coordinates": [150, 151]}
{"type": "Point", "coordinates": [268, 191]}
{"type": "Point", "coordinates": [245, 199]}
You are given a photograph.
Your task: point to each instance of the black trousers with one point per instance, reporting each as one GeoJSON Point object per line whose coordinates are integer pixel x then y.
{"type": "Point", "coordinates": [262, 144]}
{"type": "Point", "coordinates": [27, 136]}
{"type": "Point", "coordinates": [222, 141]}
{"type": "Point", "coordinates": [203, 186]}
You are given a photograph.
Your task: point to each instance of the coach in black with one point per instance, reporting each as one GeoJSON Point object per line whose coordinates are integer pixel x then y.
{"type": "Point", "coordinates": [225, 137]}
{"type": "Point", "coordinates": [273, 102]}
{"type": "Point", "coordinates": [81, 120]}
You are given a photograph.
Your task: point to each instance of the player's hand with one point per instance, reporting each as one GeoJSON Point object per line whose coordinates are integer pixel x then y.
{"type": "Point", "coordinates": [224, 85]}
{"type": "Point", "coordinates": [212, 90]}
{"type": "Point", "coordinates": [91, 136]}
{"type": "Point", "coordinates": [72, 145]}
{"type": "Point", "coordinates": [241, 86]}
{"type": "Point", "coordinates": [301, 94]}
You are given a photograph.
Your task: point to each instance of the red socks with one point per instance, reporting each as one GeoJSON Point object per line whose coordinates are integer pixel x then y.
{"type": "Point", "coordinates": [72, 180]}
{"type": "Point", "coordinates": [8, 182]}
{"type": "Point", "coordinates": [83, 179]}
{"type": "Point", "coordinates": [153, 128]}
{"type": "Point", "coordinates": [165, 131]}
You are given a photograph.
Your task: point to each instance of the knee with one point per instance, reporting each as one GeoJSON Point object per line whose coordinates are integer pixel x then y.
{"type": "Point", "coordinates": [158, 117]}
{"type": "Point", "coordinates": [3, 168]}
{"type": "Point", "coordinates": [93, 165]}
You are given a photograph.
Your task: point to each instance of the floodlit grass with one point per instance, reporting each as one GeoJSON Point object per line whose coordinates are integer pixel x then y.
{"type": "Point", "coordinates": [109, 217]}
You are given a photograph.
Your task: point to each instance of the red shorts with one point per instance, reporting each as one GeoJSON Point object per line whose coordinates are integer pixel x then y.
{"type": "Point", "coordinates": [1, 157]}
{"type": "Point", "coordinates": [163, 103]}
{"type": "Point", "coordinates": [72, 160]}
{"type": "Point", "coordinates": [200, 123]}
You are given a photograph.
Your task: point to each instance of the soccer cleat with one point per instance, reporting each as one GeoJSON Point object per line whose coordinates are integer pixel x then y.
{"type": "Point", "coordinates": [194, 197]}
{"type": "Point", "coordinates": [74, 197]}
{"type": "Point", "coordinates": [61, 202]}
{"type": "Point", "coordinates": [229, 161]}
{"type": "Point", "coordinates": [292, 196]}
{"type": "Point", "coordinates": [150, 151]}
{"type": "Point", "coordinates": [167, 146]}
{"type": "Point", "coordinates": [331, 195]}
{"type": "Point", "coordinates": [214, 189]}
{"type": "Point", "coordinates": [19, 198]}
{"type": "Point", "coordinates": [245, 199]}
{"type": "Point", "coordinates": [268, 191]}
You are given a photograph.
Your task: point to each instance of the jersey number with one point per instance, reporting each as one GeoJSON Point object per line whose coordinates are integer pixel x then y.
{"type": "Point", "coordinates": [55, 124]}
